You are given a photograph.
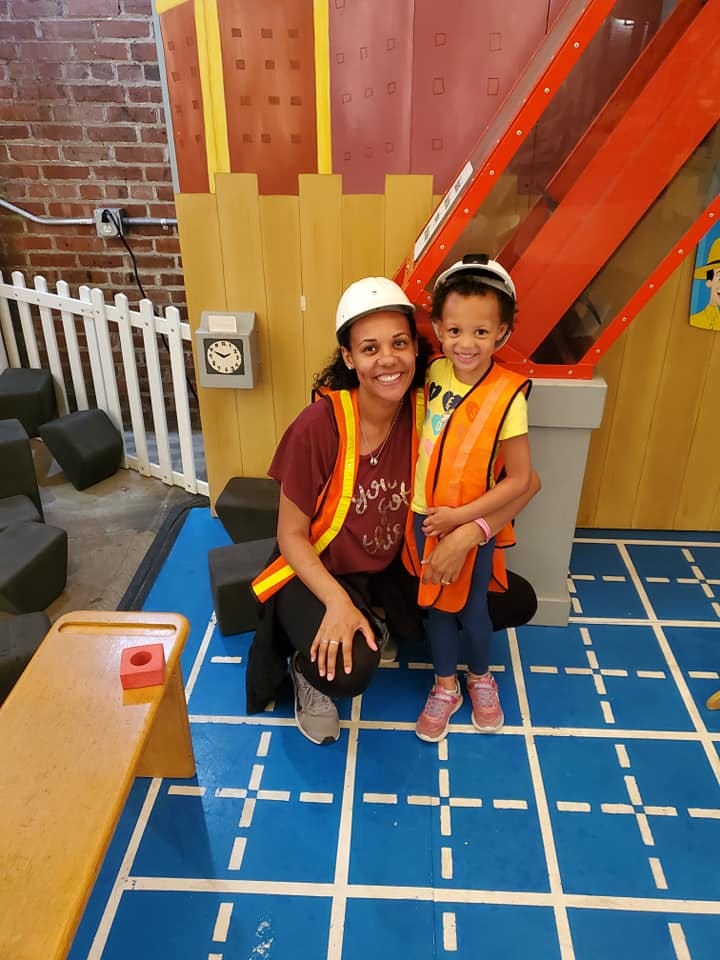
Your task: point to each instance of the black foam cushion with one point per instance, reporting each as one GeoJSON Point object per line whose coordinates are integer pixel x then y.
{"type": "Point", "coordinates": [19, 639]}
{"type": "Point", "coordinates": [232, 570]}
{"type": "Point", "coordinates": [248, 508]}
{"type": "Point", "coordinates": [28, 396]}
{"type": "Point", "coordinates": [33, 566]}
{"type": "Point", "coordinates": [18, 509]}
{"type": "Point", "coordinates": [86, 444]}
{"type": "Point", "coordinates": [17, 469]}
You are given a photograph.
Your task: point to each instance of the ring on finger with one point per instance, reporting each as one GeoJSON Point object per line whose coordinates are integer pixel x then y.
{"type": "Point", "coordinates": [445, 583]}
{"type": "Point", "coordinates": [334, 643]}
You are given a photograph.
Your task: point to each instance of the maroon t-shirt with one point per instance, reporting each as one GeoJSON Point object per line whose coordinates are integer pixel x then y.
{"type": "Point", "coordinates": [372, 534]}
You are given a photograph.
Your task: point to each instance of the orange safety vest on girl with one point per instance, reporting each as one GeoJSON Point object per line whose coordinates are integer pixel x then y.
{"type": "Point", "coordinates": [460, 471]}
{"type": "Point", "coordinates": [335, 498]}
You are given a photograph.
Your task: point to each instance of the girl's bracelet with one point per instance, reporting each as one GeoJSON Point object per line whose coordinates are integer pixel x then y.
{"type": "Point", "coordinates": [484, 526]}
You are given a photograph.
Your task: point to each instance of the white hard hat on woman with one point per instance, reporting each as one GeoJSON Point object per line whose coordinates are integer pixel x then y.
{"type": "Point", "coordinates": [370, 295]}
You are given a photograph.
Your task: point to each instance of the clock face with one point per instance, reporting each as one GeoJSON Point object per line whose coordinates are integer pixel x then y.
{"type": "Point", "coordinates": [223, 356]}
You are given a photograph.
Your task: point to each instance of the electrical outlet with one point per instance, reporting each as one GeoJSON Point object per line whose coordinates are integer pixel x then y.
{"type": "Point", "coordinates": [110, 221]}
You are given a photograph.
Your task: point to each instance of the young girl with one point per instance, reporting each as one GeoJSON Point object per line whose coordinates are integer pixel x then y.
{"type": "Point", "coordinates": [474, 459]}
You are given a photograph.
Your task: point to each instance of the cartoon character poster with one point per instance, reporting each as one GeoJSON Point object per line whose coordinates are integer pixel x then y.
{"type": "Point", "coordinates": [705, 298]}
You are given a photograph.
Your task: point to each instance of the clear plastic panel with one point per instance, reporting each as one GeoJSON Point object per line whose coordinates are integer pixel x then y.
{"type": "Point", "coordinates": [679, 205]}
{"type": "Point", "coordinates": [581, 116]}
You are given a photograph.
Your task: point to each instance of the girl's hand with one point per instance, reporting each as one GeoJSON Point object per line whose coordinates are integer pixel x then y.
{"type": "Point", "coordinates": [341, 621]}
{"type": "Point", "coordinates": [439, 521]}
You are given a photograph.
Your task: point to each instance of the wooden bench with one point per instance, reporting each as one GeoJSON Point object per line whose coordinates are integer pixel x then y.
{"type": "Point", "coordinates": [71, 743]}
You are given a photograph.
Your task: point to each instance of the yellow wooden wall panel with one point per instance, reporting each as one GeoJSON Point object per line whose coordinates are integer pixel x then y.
{"type": "Point", "coordinates": [408, 205]}
{"type": "Point", "coordinates": [634, 407]}
{"type": "Point", "coordinates": [202, 257]}
{"type": "Point", "coordinates": [678, 396]}
{"type": "Point", "coordinates": [280, 227]}
{"type": "Point", "coordinates": [609, 368]}
{"type": "Point", "coordinates": [242, 253]}
{"type": "Point", "coordinates": [715, 523]}
{"type": "Point", "coordinates": [701, 485]}
{"type": "Point", "coordinates": [320, 203]}
{"type": "Point", "coordinates": [363, 237]}
{"type": "Point", "coordinates": [654, 462]}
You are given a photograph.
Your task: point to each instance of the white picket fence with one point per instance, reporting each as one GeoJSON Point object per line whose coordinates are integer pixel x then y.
{"type": "Point", "coordinates": [89, 320]}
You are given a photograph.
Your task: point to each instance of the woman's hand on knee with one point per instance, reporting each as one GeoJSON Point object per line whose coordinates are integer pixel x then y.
{"type": "Point", "coordinates": [341, 622]}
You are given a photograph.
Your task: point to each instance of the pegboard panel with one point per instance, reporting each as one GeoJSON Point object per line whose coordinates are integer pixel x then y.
{"type": "Point", "coordinates": [269, 78]}
{"type": "Point", "coordinates": [370, 91]}
{"type": "Point", "coordinates": [464, 67]}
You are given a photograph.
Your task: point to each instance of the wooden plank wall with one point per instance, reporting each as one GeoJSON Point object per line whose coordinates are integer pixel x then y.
{"type": "Point", "coordinates": [288, 258]}
{"type": "Point", "coordinates": [653, 463]}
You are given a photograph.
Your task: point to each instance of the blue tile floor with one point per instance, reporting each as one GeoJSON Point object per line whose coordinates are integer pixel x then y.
{"type": "Point", "coordinates": [589, 828]}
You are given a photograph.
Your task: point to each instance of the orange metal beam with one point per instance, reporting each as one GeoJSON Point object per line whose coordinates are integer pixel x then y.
{"type": "Point", "coordinates": [672, 114]}
{"type": "Point", "coordinates": [580, 21]}
{"type": "Point", "coordinates": [657, 278]}
{"type": "Point", "coordinates": [605, 122]}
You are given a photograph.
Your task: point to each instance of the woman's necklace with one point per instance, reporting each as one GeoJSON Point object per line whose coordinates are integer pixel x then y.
{"type": "Point", "coordinates": [374, 457]}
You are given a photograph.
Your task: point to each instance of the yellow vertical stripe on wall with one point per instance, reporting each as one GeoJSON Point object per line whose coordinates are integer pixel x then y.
{"type": "Point", "coordinates": [408, 204]}
{"type": "Point", "coordinates": [240, 234]}
{"type": "Point", "coordinates": [321, 261]}
{"type": "Point", "coordinates": [363, 237]}
{"type": "Point", "coordinates": [280, 226]}
{"type": "Point", "coordinates": [207, 27]}
{"type": "Point", "coordinates": [321, 22]}
{"type": "Point", "coordinates": [202, 257]}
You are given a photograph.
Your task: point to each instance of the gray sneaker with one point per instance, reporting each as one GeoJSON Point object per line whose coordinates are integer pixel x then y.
{"type": "Point", "coordinates": [388, 644]}
{"type": "Point", "coordinates": [315, 714]}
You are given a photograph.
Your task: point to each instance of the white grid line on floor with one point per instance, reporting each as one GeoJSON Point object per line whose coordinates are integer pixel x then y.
{"type": "Point", "coordinates": [340, 891]}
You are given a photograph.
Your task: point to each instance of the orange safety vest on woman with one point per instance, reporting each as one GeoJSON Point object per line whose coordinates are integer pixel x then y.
{"type": "Point", "coordinates": [335, 498]}
{"type": "Point", "coordinates": [459, 471]}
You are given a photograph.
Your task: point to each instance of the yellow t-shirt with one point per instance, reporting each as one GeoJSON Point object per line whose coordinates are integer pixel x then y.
{"type": "Point", "coordinates": [444, 392]}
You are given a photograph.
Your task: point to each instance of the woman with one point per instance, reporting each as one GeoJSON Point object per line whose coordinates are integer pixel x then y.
{"type": "Point", "coordinates": [338, 591]}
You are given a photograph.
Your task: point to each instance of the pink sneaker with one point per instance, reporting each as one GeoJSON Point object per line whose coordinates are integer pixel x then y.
{"type": "Point", "coordinates": [433, 722]}
{"type": "Point", "coordinates": [487, 715]}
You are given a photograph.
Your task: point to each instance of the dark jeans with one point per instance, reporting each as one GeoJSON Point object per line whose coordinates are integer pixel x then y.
{"type": "Point", "coordinates": [299, 614]}
{"type": "Point", "coordinates": [444, 630]}
{"type": "Point", "coordinates": [290, 620]}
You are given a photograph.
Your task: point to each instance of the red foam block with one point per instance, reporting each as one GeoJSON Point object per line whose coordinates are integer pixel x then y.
{"type": "Point", "coordinates": [142, 666]}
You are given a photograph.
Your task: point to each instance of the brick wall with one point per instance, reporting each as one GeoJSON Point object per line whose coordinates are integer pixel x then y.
{"type": "Point", "coordinates": [82, 126]}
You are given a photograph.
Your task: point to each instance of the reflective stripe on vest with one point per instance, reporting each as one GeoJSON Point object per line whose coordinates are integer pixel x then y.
{"type": "Point", "coordinates": [334, 501]}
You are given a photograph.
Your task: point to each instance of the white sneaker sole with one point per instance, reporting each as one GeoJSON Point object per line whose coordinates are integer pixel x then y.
{"type": "Point", "coordinates": [487, 729]}
{"type": "Point", "coordinates": [440, 736]}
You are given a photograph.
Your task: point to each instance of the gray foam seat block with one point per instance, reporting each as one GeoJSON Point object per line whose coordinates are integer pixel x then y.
{"type": "Point", "coordinates": [86, 444]}
{"type": "Point", "coordinates": [28, 396]}
{"type": "Point", "coordinates": [19, 639]}
{"type": "Point", "coordinates": [232, 570]}
{"type": "Point", "coordinates": [17, 509]}
{"type": "Point", "coordinates": [17, 468]}
{"type": "Point", "coordinates": [33, 566]}
{"type": "Point", "coordinates": [248, 508]}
